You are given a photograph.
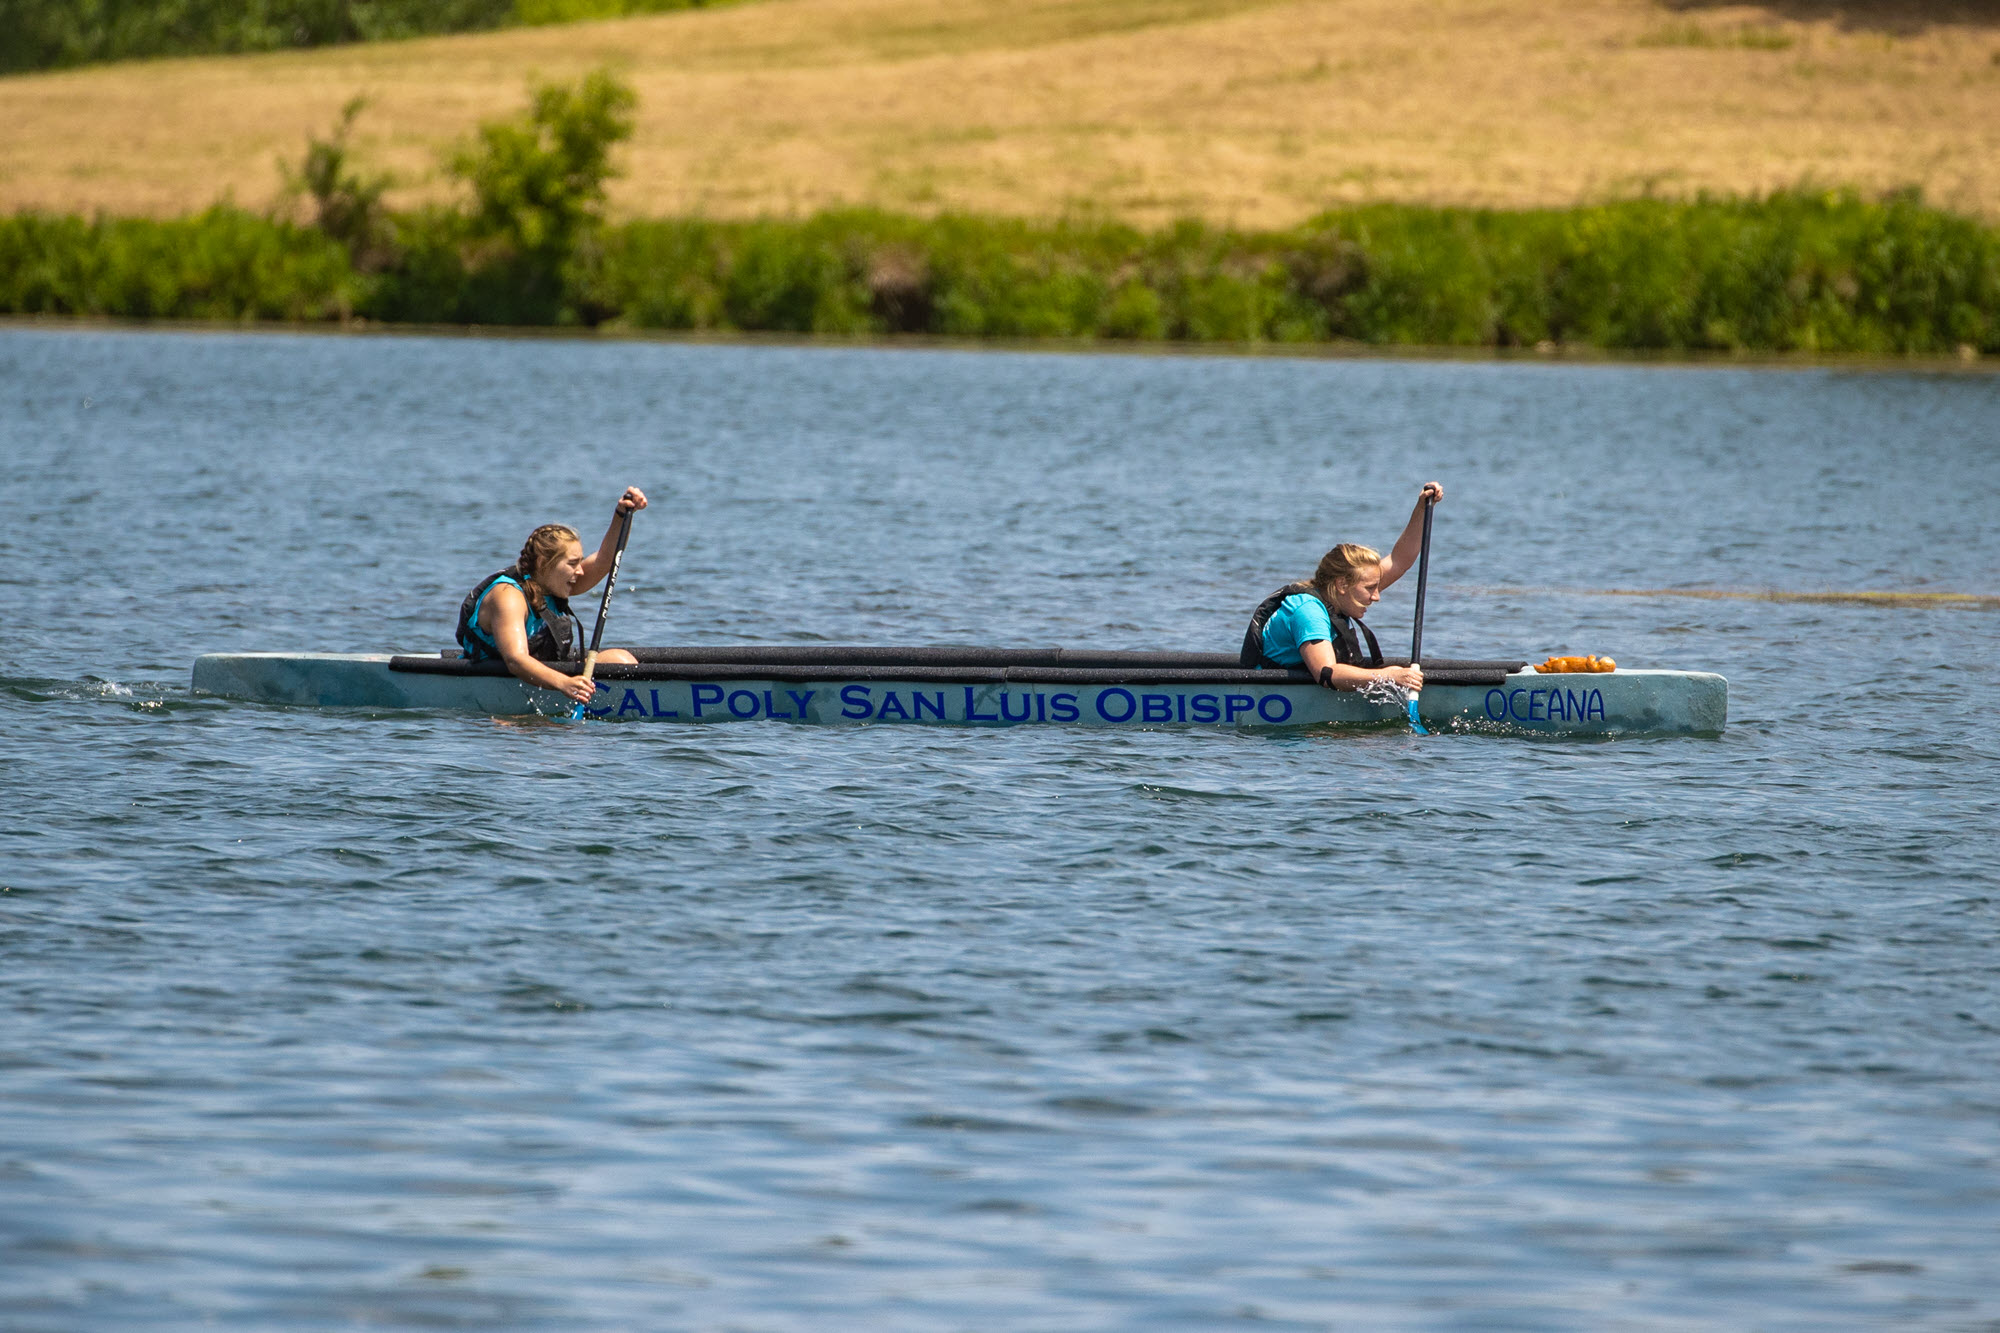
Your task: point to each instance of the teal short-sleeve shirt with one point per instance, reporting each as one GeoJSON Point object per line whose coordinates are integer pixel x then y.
{"type": "Point", "coordinates": [1300, 618]}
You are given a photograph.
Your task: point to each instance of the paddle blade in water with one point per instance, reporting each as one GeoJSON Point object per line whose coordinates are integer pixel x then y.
{"type": "Point", "coordinates": [1415, 724]}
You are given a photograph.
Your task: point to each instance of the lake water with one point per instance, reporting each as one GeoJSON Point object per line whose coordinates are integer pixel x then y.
{"type": "Point", "coordinates": [325, 1020]}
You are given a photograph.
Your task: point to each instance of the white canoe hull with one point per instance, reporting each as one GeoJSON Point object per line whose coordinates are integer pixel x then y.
{"type": "Point", "coordinates": [1615, 703]}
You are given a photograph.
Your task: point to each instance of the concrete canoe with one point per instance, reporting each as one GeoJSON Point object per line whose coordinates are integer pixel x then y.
{"type": "Point", "coordinates": [1516, 700]}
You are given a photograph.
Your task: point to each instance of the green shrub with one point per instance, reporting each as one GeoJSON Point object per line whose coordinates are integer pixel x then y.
{"type": "Point", "coordinates": [223, 264]}
{"type": "Point", "coordinates": [47, 34]}
{"type": "Point", "coordinates": [656, 275]}
{"type": "Point", "coordinates": [51, 34]}
{"type": "Point", "coordinates": [428, 282]}
{"type": "Point", "coordinates": [346, 205]}
{"type": "Point", "coordinates": [537, 182]}
{"type": "Point", "coordinates": [1797, 271]}
{"type": "Point", "coordinates": [573, 11]}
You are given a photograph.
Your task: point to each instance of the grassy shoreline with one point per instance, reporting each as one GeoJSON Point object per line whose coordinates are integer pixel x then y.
{"type": "Point", "coordinates": [1794, 272]}
{"type": "Point", "coordinates": [1776, 362]}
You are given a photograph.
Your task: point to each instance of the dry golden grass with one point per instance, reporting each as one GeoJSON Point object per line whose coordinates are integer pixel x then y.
{"type": "Point", "coordinates": [1257, 112]}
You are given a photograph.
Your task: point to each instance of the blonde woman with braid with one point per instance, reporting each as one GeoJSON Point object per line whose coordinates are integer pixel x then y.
{"type": "Point", "coordinates": [1312, 623]}
{"type": "Point", "coordinates": [521, 615]}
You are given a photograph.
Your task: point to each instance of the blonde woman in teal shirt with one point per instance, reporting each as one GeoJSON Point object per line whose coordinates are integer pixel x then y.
{"type": "Point", "coordinates": [1316, 623]}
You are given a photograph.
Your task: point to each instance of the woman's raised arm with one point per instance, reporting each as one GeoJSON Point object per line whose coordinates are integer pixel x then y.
{"type": "Point", "coordinates": [1403, 556]}
{"type": "Point", "coordinates": [599, 563]}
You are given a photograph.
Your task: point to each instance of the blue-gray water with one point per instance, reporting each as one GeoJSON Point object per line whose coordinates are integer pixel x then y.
{"type": "Point", "coordinates": [326, 1020]}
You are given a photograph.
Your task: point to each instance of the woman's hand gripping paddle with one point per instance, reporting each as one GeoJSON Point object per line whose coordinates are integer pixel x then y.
{"type": "Point", "coordinates": [1417, 635]}
{"type": "Point", "coordinates": [604, 608]}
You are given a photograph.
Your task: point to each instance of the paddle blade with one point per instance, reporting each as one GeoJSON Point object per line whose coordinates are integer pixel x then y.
{"type": "Point", "coordinates": [1416, 725]}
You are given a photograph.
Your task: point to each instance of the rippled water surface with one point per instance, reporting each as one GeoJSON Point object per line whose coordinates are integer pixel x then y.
{"type": "Point", "coordinates": [324, 1020]}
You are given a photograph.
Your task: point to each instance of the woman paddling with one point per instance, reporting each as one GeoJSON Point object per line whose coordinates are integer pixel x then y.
{"type": "Point", "coordinates": [1312, 623]}
{"type": "Point", "coordinates": [521, 615]}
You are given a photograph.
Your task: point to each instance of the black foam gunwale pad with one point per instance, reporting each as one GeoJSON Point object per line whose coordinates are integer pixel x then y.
{"type": "Point", "coordinates": [957, 655]}
{"type": "Point", "coordinates": [1000, 666]}
{"type": "Point", "coordinates": [941, 655]}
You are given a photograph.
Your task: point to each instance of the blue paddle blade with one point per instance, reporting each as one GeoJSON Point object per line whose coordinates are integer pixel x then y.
{"type": "Point", "coordinates": [1416, 725]}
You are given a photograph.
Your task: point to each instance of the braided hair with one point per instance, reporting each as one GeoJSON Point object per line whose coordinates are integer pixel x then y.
{"type": "Point", "coordinates": [544, 544]}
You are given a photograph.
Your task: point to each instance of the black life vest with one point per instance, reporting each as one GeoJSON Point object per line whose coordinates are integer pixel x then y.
{"type": "Point", "coordinates": [554, 634]}
{"type": "Point", "coordinates": [1346, 648]}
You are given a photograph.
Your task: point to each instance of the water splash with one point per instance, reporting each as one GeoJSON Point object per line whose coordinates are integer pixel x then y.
{"type": "Point", "coordinates": [1386, 692]}
{"type": "Point", "coordinates": [1399, 697]}
{"type": "Point", "coordinates": [143, 696]}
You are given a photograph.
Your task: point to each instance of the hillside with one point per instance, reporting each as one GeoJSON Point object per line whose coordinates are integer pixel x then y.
{"type": "Point", "coordinates": [1253, 112]}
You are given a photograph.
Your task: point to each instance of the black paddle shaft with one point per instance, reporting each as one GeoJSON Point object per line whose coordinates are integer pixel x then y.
{"type": "Point", "coordinates": [611, 581]}
{"type": "Point", "coordinates": [1423, 575]}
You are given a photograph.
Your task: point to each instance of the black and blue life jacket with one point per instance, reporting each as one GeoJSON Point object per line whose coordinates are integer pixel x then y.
{"type": "Point", "coordinates": [1346, 647]}
{"type": "Point", "coordinates": [554, 634]}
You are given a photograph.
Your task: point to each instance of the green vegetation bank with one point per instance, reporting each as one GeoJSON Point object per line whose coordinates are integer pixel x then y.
{"type": "Point", "coordinates": [53, 34]}
{"type": "Point", "coordinates": [1804, 271]}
